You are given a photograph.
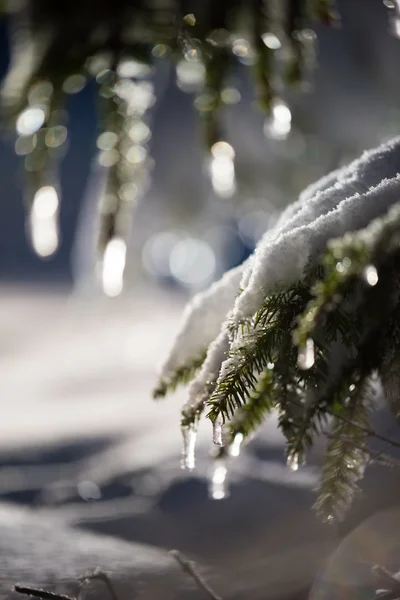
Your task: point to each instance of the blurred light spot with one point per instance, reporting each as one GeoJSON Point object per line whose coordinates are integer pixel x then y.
{"type": "Point", "coordinates": [139, 96]}
{"type": "Point", "coordinates": [222, 150]}
{"type": "Point", "coordinates": [35, 161]}
{"type": "Point", "coordinates": [108, 158]}
{"type": "Point", "coordinates": [128, 192]}
{"type": "Point", "coordinates": [223, 169]}
{"type": "Point", "coordinates": [136, 154]}
{"type": "Point", "coordinates": [133, 68]}
{"type": "Point", "coordinates": [74, 83]}
{"type": "Point", "coordinates": [40, 92]}
{"type": "Point", "coordinates": [218, 482]}
{"type": "Point", "coordinates": [278, 125]}
{"type": "Point", "coordinates": [45, 203]}
{"type": "Point", "coordinates": [371, 275]}
{"type": "Point", "coordinates": [271, 41]}
{"type": "Point", "coordinates": [205, 102]}
{"type": "Point", "coordinates": [236, 445]}
{"type": "Point", "coordinates": [156, 252]}
{"type": "Point", "coordinates": [192, 262]}
{"type": "Point", "coordinates": [219, 37]}
{"type": "Point", "coordinates": [230, 96]}
{"type": "Point", "coordinates": [30, 120]}
{"type": "Point", "coordinates": [107, 140]}
{"type": "Point", "coordinates": [105, 76]}
{"type": "Point", "coordinates": [25, 144]}
{"type": "Point", "coordinates": [241, 48]}
{"type": "Point", "coordinates": [97, 63]}
{"type": "Point", "coordinates": [160, 50]}
{"type": "Point", "coordinates": [190, 75]}
{"type": "Point", "coordinates": [192, 54]}
{"type": "Point", "coordinates": [43, 221]}
{"type": "Point", "coordinates": [113, 267]}
{"type": "Point", "coordinates": [108, 204]}
{"type": "Point", "coordinates": [56, 136]}
{"type": "Point", "coordinates": [190, 19]}
{"type": "Point", "coordinates": [140, 133]}
{"type": "Point", "coordinates": [88, 490]}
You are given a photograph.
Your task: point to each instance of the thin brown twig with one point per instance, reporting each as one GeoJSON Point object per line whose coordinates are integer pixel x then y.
{"type": "Point", "coordinates": [38, 593]}
{"type": "Point", "coordinates": [189, 567]}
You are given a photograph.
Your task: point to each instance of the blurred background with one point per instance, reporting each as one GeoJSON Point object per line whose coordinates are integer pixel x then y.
{"type": "Point", "coordinates": [80, 436]}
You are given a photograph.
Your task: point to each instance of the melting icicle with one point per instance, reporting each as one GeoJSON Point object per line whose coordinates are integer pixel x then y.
{"type": "Point", "coordinates": [189, 442]}
{"type": "Point", "coordinates": [293, 462]}
{"type": "Point", "coordinates": [234, 449]}
{"type": "Point", "coordinates": [217, 431]}
{"type": "Point", "coordinates": [218, 488]}
{"type": "Point", "coordinates": [306, 356]}
{"type": "Point", "coordinates": [371, 275]}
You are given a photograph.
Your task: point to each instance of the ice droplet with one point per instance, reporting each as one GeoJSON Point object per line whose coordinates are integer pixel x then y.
{"type": "Point", "coordinates": [306, 356]}
{"type": "Point", "coordinates": [234, 449]}
{"type": "Point", "coordinates": [217, 431]}
{"type": "Point", "coordinates": [189, 434]}
{"type": "Point", "coordinates": [293, 462]}
{"type": "Point", "coordinates": [218, 488]}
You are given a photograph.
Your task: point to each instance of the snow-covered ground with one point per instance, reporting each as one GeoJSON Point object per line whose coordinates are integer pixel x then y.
{"type": "Point", "coordinates": [82, 443]}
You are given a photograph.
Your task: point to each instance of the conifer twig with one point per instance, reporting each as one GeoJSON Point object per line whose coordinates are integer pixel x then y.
{"type": "Point", "coordinates": [189, 567]}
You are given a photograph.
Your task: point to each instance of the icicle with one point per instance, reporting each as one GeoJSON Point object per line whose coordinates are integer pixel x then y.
{"type": "Point", "coordinates": [189, 434]}
{"type": "Point", "coordinates": [217, 431]}
{"type": "Point", "coordinates": [218, 489]}
{"type": "Point", "coordinates": [371, 275]}
{"type": "Point", "coordinates": [293, 461]}
{"type": "Point", "coordinates": [234, 449]}
{"type": "Point", "coordinates": [306, 357]}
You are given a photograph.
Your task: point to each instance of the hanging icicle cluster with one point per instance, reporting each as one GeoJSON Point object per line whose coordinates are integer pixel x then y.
{"type": "Point", "coordinates": [57, 47]}
{"type": "Point", "coordinates": [302, 329]}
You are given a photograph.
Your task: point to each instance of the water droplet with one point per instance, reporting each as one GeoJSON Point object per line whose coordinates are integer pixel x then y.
{"type": "Point", "coordinates": [371, 275]}
{"type": "Point", "coordinates": [293, 461]}
{"type": "Point", "coordinates": [189, 434]}
{"type": "Point", "coordinates": [218, 488]}
{"type": "Point", "coordinates": [306, 357]}
{"type": "Point", "coordinates": [234, 449]}
{"type": "Point", "coordinates": [217, 431]}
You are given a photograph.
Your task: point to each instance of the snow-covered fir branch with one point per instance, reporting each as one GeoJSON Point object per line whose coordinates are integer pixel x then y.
{"type": "Point", "coordinates": [309, 319]}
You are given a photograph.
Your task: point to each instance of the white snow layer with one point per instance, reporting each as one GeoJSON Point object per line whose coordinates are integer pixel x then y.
{"type": "Point", "coordinates": [360, 192]}
{"type": "Point", "coordinates": [202, 320]}
{"type": "Point", "coordinates": [345, 200]}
